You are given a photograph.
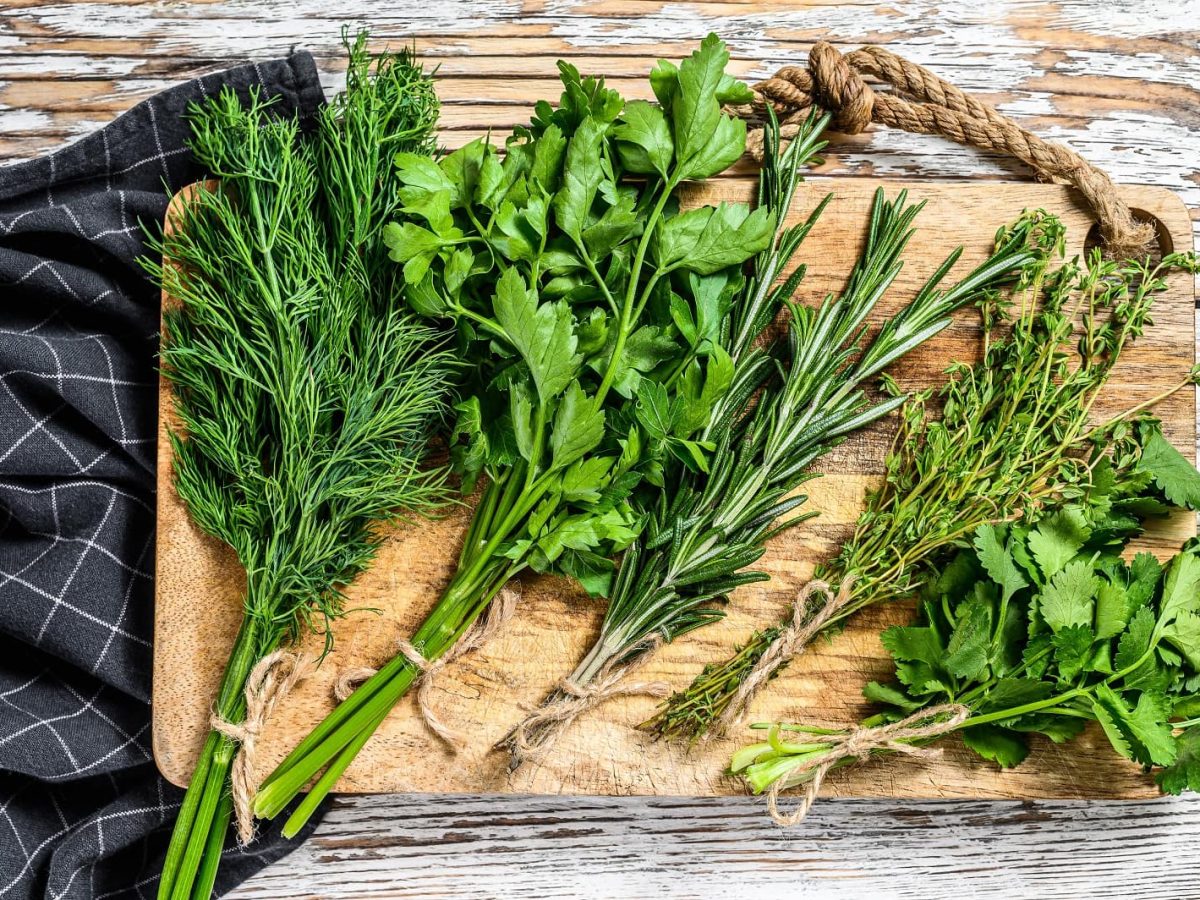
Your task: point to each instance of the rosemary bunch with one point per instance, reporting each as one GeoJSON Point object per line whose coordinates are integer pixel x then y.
{"type": "Point", "coordinates": [306, 393]}
{"type": "Point", "coordinates": [1016, 432]}
{"type": "Point", "coordinates": [707, 529]}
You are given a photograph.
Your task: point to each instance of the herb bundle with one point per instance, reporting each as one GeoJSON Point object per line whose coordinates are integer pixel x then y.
{"type": "Point", "coordinates": [305, 391]}
{"type": "Point", "coordinates": [1037, 629]}
{"type": "Point", "coordinates": [565, 270]}
{"type": "Point", "coordinates": [1015, 434]}
{"type": "Point", "coordinates": [706, 529]}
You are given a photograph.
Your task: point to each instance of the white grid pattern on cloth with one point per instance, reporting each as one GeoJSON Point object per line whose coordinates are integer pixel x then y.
{"type": "Point", "coordinates": [83, 811]}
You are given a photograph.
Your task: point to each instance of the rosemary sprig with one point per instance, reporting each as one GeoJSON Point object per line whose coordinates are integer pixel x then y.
{"type": "Point", "coordinates": [1016, 433]}
{"type": "Point", "coordinates": [305, 392]}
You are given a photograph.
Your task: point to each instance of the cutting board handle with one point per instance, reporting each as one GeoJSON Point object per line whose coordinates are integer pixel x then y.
{"type": "Point", "coordinates": [923, 103]}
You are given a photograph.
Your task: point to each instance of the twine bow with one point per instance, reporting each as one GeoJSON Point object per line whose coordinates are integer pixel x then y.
{"type": "Point", "coordinates": [808, 619]}
{"type": "Point", "coordinates": [485, 628]}
{"type": "Point", "coordinates": [272, 678]}
{"type": "Point", "coordinates": [922, 103]}
{"type": "Point", "coordinates": [858, 744]}
{"type": "Point", "coordinates": [533, 735]}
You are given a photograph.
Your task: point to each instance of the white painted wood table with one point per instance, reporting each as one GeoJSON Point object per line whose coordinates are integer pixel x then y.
{"type": "Point", "coordinates": [1115, 80]}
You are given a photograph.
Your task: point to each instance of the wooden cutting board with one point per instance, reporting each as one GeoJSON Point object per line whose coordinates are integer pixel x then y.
{"type": "Point", "coordinates": [199, 583]}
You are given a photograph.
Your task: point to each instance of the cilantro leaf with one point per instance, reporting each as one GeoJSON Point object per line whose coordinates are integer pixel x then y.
{"type": "Point", "coordinates": [1135, 642]}
{"type": "Point", "coordinates": [1184, 773]}
{"type": "Point", "coordinates": [1071, 646]}
{"type": "Point", "coordinates": [998, 561]}
{"type": "Point", "coordinates": [967, 652]}
{"type": "Point", "coordinates": [1181, 590]}
{"type": "Point", "coordinates": [1057, 538]}
{"type": "Point", "coordinates": [1000, 745]}
{"type": "Point", "coordinates": [1173, 473]}
{"type": "Point", "coordinates": [695, 110]}
{"type": "Point", "coordinates": [1069, 598]}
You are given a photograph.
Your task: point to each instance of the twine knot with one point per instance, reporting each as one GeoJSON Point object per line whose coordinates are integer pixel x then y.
{"type": "Point", "coordinates": [857, 744]}
{"type": "Point", "coordinates": [532, 737]}
{"type": "Point", "coordinates": [920, 102]}
{"type": "Point", "coordinates": [814, 606]}
{"type": "Point", "coordinates": [271, 679]}
{"type": "Point", "coordinates": [485, 628]}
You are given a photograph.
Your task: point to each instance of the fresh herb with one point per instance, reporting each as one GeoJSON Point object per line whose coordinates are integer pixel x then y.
{"type": "Point", "coordinates": [1041, 628]}
{"type": "Point", "coordinates": [305, 392]}
{"type": "Point", "coordinates": [1015, 434]}
{"type": "Point", "coordinates": [584, 301]}
{"type": "Point", "coordinates": [793, 402]}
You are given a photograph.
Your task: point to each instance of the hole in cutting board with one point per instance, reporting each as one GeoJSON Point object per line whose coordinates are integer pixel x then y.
{"type": "Point", "coordinates": [1165, 243]}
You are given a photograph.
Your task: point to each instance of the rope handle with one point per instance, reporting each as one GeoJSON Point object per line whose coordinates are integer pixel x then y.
{"type": "Point", "coordinates": [923, 103]}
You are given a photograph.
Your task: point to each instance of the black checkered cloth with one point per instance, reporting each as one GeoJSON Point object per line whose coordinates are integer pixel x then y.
{"type": "Point", "coordinates": [83, 810]}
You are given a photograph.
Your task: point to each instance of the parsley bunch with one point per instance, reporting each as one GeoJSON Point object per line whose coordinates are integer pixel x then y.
{"type": "Point", "coordinates": [1041, 628]}
{"type": "Point", "coordinates": [707, 529]}
{"type": "Point", "coordinates": [1015, 434]}
{"type": "Point", "coordinates": [307, 394]}
{"type": "Point", "coordinates": [584, 303]}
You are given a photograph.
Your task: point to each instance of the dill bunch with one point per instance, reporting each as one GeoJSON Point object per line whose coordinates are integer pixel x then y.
{"type": "Point", "coordinates": [1015, 434]}
{"type": "Point", "coordinates": [305, 391]}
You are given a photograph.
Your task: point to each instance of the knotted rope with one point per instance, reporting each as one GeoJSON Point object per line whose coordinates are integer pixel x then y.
{"type": "Point", "coordinates": [806, 623]}
{"type": "Point", "coordinates": [858, 744]}
{"type": "Point", "coordinates": [486, 627]}
{"type": "Point", "coordinates": [532, 737]}
{"type": "Point", "coordinates": [922, 103]}
{"type": "Point", "coordinates": [272, 678]}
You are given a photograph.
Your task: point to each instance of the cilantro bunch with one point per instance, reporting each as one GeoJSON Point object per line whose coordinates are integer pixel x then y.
{"type": "Point", "coordinates": [1016, 434]}
{"type": "Point", "coordinates": [1042, 628]}
{"type": "Point", "coordinates": [587, 308]}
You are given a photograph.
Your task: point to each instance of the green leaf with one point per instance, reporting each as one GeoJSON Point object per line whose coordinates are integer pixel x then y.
{"type": "Point", "coordinates": [548, 153]}
{"type": "Point", "coordinates": [1068, 599]}
{"type": "Point", "coordinates": [1000, 745]}
{"type": "Point", "coordinates": [1184, 773]}
{"type": "Point", "coordinates": [578, 427]}
{"type": "Point", "coordinates": [415, 247]}
{"type": "Point", "coordinates": [1184, 635]}
{"type": "Point", "coordinates": [889, 695]}
{"type": "Point", "coordinates": [998, 562]}
{"type": "Point", "coordinates": [654, 411]}
{"type": "Point", "coordinates": [709, 239]}
{"type": "Point", "coordinates": [542, 334]}
{"type": "Point", "coordinates": [521, 410]}
{"type": "Point", "coordinates": [695, 110]}
{"type": "Point", "coordinates": [1148, 724]}
{"type": "Point", "coordinates": [1136, 640]}
{"type": "Point", "coordinates": [1057, 538]}
{"type": "Point", "coordinates": [644, 139]}
{"type": "Point", "coordinates": [726, 147]}
{"type": "Point", "coordinates": [462, 169]}
{"type": "Point", "coordinates": [585, 478]}
{"type": "Point", "coordinates": [1110, 722]}
{"type": "Point", "coordinates": [664, 81]}
{"type": "Point", "coordinates": [618, 223]}
{"type": "Point", "coordinates": [1112, 610]}
{"type": "Point", "coordinates": [967, 652]}
{"type": "Point", "coordinates": [1010, 693]}
{"type": "Point", "coordinates": [1181, 590]}
{"type": "Point", "coordinates": [581, 179]}
{"type": "Point", "coordinates": [1174, 475]}
{"type": "Point", "coordinates": [593, 571]}
{"type": "Point", "coordinates": [1071, 646]}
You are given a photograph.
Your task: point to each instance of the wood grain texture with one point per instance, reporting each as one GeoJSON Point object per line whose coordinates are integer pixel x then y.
{"type": "Point", "coordinates": [198, 602]}
{"type": "Point", "coordinates": [1116, 81]}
